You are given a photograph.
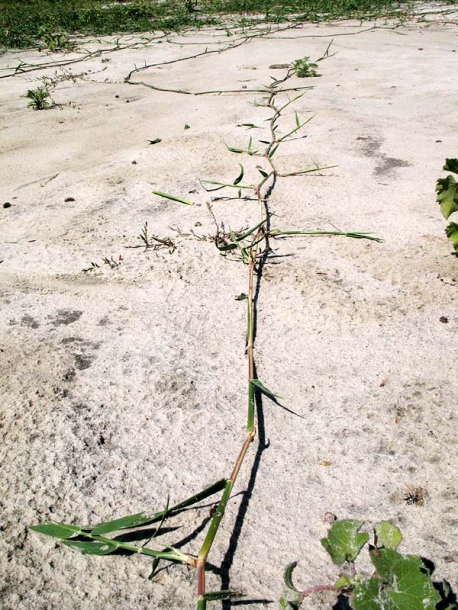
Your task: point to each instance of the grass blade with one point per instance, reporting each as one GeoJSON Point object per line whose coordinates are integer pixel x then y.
{"type": "Point", "coordinates": [240, 176]}
{"type": "Point", "coordinates": [262, 388]}
{"type": "Point", "coordinates": [172, 197]}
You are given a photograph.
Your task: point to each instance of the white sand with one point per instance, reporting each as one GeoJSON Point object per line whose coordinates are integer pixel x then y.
{"type": "Point", "coordinates": [122, 385]}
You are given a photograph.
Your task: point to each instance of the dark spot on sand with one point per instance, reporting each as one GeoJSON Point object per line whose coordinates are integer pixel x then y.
{"type": "Point", "coordinates": [66, 316]}
{"type": "Point", "coordinates": [7, 204]}
{"type": "Point", "coordinates": [29, 321]}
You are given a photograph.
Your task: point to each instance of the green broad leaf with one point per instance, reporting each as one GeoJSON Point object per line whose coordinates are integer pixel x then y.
{"type": "Point", "coordinates": [291, 598]}
{"type": "Point", "coordinates": [57, 530]}
{"type": "Point", "coordinates": [262, 388]}
{"type": "Point", "coordinates": [241, 297]}
{"type": "Point", "coordinates": [240, 176]}
{"type": "Point", "coordinates": [409, 586]}
{"type": "Point", "coordinates": [173, 197]}
{"type": "Point", "coordinates": [447, 195]}
{"type": "Point", "coordinates": [451, 165]}
{"type": "Point", "coordinates": [92, 547]}
{"type": "Point", "coordinates": [344, 541]}
{"type": "Point", "coordinates": [452, 233]}
{"type": "Point", "coordinates": [119, 524]}
{"type": "Point", "coordinates": [343, 583]}
{"type": "Point", "coordinates": [366, 596]}
{"type": "Point", "coordinates": [387, 535]}
{"type": "Point", "coordinates": [216, 595]}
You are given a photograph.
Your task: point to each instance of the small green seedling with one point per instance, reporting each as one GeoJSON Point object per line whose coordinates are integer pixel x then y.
{"type": "Point", "coordinates": [304, 68]}
{"type": "Point", "coordinates": [39, 99]}
{"type": "Point", "coordinates": [447, 198]}
{"type": "Point", "coordinates": [399, 582]}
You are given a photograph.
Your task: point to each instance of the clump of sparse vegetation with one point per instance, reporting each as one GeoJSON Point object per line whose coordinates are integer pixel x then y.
{"type": "Point", "coordinates": [40, 99]}
{"type": "Point", "coordinates": [304, 68]}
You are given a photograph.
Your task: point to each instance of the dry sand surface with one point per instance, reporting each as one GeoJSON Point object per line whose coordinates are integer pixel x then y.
{"type": "Point", "coordinates": [121, 385]}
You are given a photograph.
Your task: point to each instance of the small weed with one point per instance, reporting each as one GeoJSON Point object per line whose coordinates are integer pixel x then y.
{"type": "Point", "coordinates": [447, 198]}
{"type": "Point", "coordinates": [111, 262]}
{"type": "Point", "coordinates": [153, 242]}
{"type": "Point", "coordinates": [401, 581]}
{"type": "Point", "coordinates": [39, 99]}
{"type": "Point", "coordinates": [55, 41]}
{"type": "Point", "coordinates": [304, 68]}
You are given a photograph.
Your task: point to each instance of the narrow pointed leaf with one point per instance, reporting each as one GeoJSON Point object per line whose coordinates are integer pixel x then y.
{"type": "Point", "coordinates": [273, 151]}
{"type": "Point", "coordinates": [235, 150]}
{"type": "Point", "coordinates": [262, 388]}
{"type": "Point", "coordinates": [240, 176]}
{"type": "Point", "coordinates": [154, 568]}
{"type": "Point", "coordinates": [173, 197]}
{"type": "Point", "coordinates": [57, 530]}
{"type": "Point", "coordinates": [298, 123]}
{"type": "Point", "coordinates": [92, 547]}
{"type": "Point", "coordinates": [263, 173]}
{"type": "Point", "coordinates": [119, 524]}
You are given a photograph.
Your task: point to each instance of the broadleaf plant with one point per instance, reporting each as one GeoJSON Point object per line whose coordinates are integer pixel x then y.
{"type": "Point", "coordinates": [447, 198]}
{"type": "Point", "coordinates": [400, 582]}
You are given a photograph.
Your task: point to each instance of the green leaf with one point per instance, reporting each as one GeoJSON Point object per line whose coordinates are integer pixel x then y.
{"type": "Point", "coordinates": [451, 165]}
{"type": "Point", "coordinates": [262, 172]}
{"type": "Point", "coordinates": [94, 547]}
{"type": "Point", "coordinates": [291, 598]}
{"type": "Point", "coordinates": [447, 195]}
{"type": "Point", "coordinates": [273, 151]}
{"type": "Point", "coordinates": [410, 587]}
{"type": "Point", "coordinates": [57, 530]}
{"type": "Point", "coordinates": [155, 565]}
{"type": "Point", "coordinates": [240, 176]}
{"type": "Point", "coordinates": [262, 388]}
{"type": "Point", "coordinates": [344, 542]}
{"type": "Point", "coordinates": [155, 141]}
{"type": "Point", "coordinates": [387, 535]}
{"type": "Point", "coordinates": [241, 297]}
{"type": "Point", "coordinates": [366, 596]}
{"type": "Point", "coordinates": [172, 197]}
{"type": "Point", "coordinates": [187, 126]}
{"type": "Point", "coordinates": [343, 582]}
{"type": "Point", "coordinates": [119, 524]}
{"type": "Point", "coordinates": [452, 233]}
{"type": "Point", "coordinates": [235, 150]}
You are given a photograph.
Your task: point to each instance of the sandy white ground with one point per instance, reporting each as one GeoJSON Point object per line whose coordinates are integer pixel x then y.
{"type": "Point", "coordinates": [121, 385]}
